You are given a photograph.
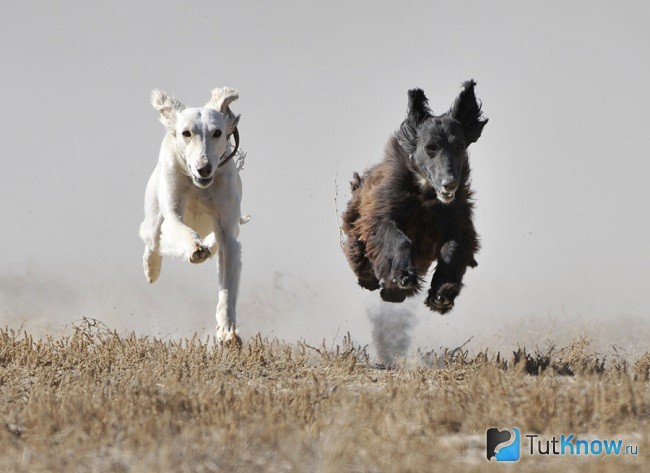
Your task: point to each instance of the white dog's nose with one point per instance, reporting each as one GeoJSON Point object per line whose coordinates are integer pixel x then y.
{"type": "Point", "coordinates": [205, 170]}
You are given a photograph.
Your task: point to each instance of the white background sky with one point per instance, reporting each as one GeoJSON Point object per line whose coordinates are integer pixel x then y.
{"type": "Point", "coordinates": [561, 170]}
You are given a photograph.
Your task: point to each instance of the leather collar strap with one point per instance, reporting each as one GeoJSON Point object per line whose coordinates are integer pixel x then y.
{"type": "Point", "coordinates": [235, 133]}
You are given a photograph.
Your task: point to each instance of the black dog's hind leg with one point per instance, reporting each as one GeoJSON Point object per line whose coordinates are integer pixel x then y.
{"type": "Point", "coordinates": [355, 250]}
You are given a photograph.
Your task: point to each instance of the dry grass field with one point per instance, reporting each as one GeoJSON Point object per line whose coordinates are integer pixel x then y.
{"type": "Point", "coordinates": [98, 401]}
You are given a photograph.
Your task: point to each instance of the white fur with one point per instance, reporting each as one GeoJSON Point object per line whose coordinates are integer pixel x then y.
{"type": "Point", "coordinates": [187, 216]}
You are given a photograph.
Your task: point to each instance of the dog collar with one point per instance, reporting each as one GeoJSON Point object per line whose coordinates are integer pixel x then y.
{"type": "Point", "coordinates": [223, 160]}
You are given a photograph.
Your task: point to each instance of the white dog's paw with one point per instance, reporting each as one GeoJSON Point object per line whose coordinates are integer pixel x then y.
{"type": "Point", "coordinates": [200, 254]}
{"type": "Point", "coordinates": [152, 263]}
{"type": "Point", "coordinates": [210, 242]}
{"type": "Point", "coordinates": [229, 338]}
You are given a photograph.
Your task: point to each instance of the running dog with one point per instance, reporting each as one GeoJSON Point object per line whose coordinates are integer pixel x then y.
{"type": "Point", "coordinates": [416, 207]}
{"type": "Point", "coordinates": [192, 201]}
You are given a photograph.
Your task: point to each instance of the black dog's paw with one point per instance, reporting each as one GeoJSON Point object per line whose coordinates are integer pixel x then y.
{"type": "Point", "coordinates": [442, 299]}
{"type": "Point", "coordinates": [371, 283]}
{"type": "Point", "coordinates": [405, 279]}
{"type": "Point", "coordinates": [403, 284]}
{"type": "Point", "coordinates": [393, 294]}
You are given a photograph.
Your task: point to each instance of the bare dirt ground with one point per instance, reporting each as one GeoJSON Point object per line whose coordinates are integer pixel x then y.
{"type": "Point", "coordinates": [97, 401]}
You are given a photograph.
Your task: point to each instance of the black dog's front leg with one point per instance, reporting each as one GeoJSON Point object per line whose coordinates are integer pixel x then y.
{"type": "Point", "coordinates": [447, 279]}
{"type": "Point", "coordinates": [394, 262]}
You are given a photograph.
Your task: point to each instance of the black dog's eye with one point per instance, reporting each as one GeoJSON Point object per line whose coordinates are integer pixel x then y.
{"type": "Point", "coordinates": [458, 146]}
{"type": "Point", "coordinates": [187, 133]}
{"type": "Point", "coordinates": [432, 148]}
{"type": "Point", "coordinates": [217, 133]}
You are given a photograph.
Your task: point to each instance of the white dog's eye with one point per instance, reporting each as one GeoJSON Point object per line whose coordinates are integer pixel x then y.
{"type": "Point", "coordinates": [217, 133]}
{"type": "Point", "coordinates": [187, 133]}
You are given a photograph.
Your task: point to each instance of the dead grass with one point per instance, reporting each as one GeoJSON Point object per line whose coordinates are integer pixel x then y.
{"type": "Point", "coordinates": [98, 401]}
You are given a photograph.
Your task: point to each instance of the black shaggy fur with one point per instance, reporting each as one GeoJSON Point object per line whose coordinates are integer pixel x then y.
{"type": "Point", "coordinates": [415, 207]}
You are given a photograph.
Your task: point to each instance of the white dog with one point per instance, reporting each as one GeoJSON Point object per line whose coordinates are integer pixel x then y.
{"type": "Point", "coordinates": [192, 201]}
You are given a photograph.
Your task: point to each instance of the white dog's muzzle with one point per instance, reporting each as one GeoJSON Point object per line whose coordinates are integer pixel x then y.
{"type": "Point", "coordinates": [205, 182]}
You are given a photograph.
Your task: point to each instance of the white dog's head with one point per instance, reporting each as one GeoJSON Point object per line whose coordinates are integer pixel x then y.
{"type": "Point", "coordinates": [200, 133]}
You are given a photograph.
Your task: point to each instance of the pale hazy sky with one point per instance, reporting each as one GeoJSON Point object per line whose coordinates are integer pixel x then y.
{"type": "Point", "coordinates": [560, 172]}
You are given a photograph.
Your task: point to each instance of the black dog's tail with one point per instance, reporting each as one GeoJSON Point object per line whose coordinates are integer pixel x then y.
{"type": "Point", "coordinates": [356, 181]}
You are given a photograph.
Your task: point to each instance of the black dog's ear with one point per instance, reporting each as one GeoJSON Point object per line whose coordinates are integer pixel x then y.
{"type": "Point", "coordinates": [418, 111]}
{"type": "Point", "coordinates": [467, 110]}
{"type": "Point", "coordinates": [418, 106]}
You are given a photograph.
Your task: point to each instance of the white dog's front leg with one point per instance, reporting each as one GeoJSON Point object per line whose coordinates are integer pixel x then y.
{"type": "Point", "coordinates": [229, 251]}
{"type": "Point", "coordinates": [210, 242]}
{"type": "Point", "coordinates": [180, 240]}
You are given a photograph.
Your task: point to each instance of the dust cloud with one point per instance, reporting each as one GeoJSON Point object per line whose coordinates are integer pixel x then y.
{"type": "Point", "coordinates": [391, 327]}
{"type": "Point", "coordinates": [287, 308]}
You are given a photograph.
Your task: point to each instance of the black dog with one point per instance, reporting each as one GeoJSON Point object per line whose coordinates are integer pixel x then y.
{"type": "Point", "coordinates": [415, 207]}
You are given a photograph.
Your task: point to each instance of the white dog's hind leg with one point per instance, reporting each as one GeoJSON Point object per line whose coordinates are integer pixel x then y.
{"type": "Point", "coordinates": [150, 231]}
{"type": "Point", "coordinates": [229, 273]}
{"type": "Point", "coordinates": [152, 263]}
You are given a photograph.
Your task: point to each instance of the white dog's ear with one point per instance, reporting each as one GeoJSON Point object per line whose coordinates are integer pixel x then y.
{"type": "Point", "coordinates": [221, 100]}
{"type": "Point", "coordinates": [168, 107]}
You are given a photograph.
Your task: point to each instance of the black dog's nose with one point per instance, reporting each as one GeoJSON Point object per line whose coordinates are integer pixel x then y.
{"type": "Point", "coordinates": [205, 170]}
{"type": "Point", "coordinates": [450, 184]}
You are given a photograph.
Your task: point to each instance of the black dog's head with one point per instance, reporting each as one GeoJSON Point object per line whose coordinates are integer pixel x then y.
{"type": "Point", "coordinates": [438, 144]}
